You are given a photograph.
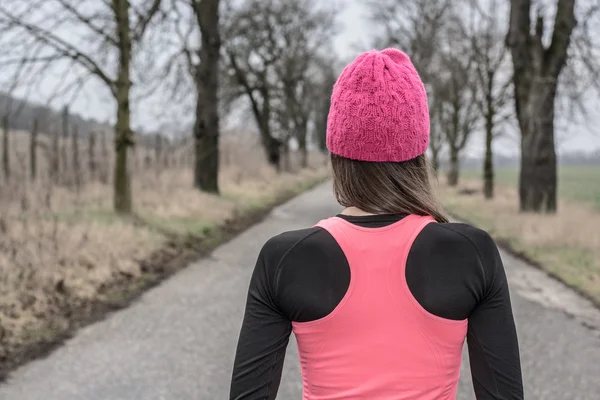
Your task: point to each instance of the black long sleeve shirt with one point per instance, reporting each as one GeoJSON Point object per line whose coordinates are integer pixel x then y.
{"type": "Point", "coordinates": [303, 275]}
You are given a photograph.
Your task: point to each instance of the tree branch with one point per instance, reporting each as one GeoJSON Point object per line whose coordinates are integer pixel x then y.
{"type": "Point", "coordinates": [144, 21]}
{"type": "Point", "coordinates": [65, 49]}
{"type": "Point", "coordinates": [88, 22]}
{"type": "Point", "coordinates": [555, 56]}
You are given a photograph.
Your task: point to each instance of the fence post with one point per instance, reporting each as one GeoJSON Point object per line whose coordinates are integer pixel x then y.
{"type": "Point", "coordinates": [33, 149]}
{"type": "Point", "coordinates": [5, 148]}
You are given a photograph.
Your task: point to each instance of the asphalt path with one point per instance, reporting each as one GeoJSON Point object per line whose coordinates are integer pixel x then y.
{"type": "Point", "coordinates": [178, 341]}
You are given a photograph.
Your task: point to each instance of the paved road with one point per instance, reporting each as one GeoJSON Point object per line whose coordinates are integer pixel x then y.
{"type": "Point", "coordinates": [177, 342]}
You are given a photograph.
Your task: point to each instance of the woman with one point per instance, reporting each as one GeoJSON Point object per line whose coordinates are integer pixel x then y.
{"type": "Point", "coordinates": [382, 296]}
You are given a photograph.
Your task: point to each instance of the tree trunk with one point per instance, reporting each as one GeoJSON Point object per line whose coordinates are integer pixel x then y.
{"type": "Point", "coordinates": [5, 148]}
{"type": "Point", "coordinates": [92, 155]}
{"type": "Point", "coordinates": [435, 157]}
{"type": "Point", "coordinates": [123, 133]}
{"type": "Point", "coordinates": [273, 148]}
{"type": "Point", "coordinates": [321, 128]}
{"type": "Point", "coordinates": [206, 128]}
{"type": "Point", "coordinates": [538, 179]}
{"type": "Point", "coordinates": [76, 162]}
{"type": "Point", "coordinates": [303, 145]}
{"type": "Point", "coordinates": [33, 150]}
{"type": "Point", "coordinates": [488, 162]}
{"type": "Point", "coordinates": [454, 167]}
{"type": "Point", "coordinates": [536, 71]}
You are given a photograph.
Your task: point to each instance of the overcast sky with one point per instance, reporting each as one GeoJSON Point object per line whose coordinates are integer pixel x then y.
{"type": "Point", "coordinates": [356, 35]}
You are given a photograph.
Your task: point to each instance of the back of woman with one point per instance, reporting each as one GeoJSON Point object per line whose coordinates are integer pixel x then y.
{"type": "Point", "coordinates": [382, 296]}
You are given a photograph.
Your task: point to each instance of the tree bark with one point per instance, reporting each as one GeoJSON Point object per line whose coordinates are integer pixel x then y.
{"type": "Point", "coordinates": [435, 157]}
{"type": "Point", "coordinates": [5, 148]}
{"type": "Point", "coordinates": [488, 161]}
{"type": "Point", "coordinates": [538, 178]}
{"type": "Point", "coordinates": [33, 150]}
{"type": "Point", "coordinates": [206, 128]}
{"type": "Point", "coordinates": [123, 133]}
{"type": "Point", "coordinates": [453, 170]}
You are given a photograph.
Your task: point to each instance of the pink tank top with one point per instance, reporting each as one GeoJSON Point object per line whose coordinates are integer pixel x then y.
{"type": "Point", "coordinates": [379, 342]}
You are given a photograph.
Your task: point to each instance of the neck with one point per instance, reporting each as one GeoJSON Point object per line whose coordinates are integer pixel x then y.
{"type": "Point", "coordinates": [355, 212]}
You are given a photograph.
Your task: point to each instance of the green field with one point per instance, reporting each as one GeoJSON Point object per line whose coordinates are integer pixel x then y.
{"type": "Point", "coordinates": [580, 183]}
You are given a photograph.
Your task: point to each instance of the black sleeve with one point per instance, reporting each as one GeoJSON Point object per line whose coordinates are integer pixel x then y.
{"type": "Point", "coordinates": [264, 335]}
{"type": "Point", "coordinates": [491, 336]}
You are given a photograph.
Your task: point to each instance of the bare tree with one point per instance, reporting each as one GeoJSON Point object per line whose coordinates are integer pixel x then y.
{"type": "Point", "coordinates": [299, 72]}
{"type": "Point", "coordinates": [200, 19]}
{"type": "Point", "coordinates": [436, 134]}
{"type": "Point", "coordinates": [251, 60]}
{"type": "Point", "coordinates": [486, 36]}
{"type": "Point", "coordinates": [40, 36]}
{"type": "Point", "coordinates": [267, 41]}
{"type": "Point", "coordinates": [537, 68]}
{"type": "Point", "coordinates": [325, 83]}
{"type": "Point", "coordinates": [458, 113]}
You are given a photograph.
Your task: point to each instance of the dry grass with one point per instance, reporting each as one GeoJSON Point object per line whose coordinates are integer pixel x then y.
{"type": "Point", "coordinates": [59, 245]}
{"type": "Point", "coordinates": [567, 244]}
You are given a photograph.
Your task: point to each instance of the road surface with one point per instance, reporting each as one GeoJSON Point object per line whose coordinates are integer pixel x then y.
{"type": "Point", "coordinates": [177, 342]}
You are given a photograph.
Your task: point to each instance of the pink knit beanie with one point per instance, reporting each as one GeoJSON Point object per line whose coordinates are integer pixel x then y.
{"type": "Point", "coordinates": [379, 109]}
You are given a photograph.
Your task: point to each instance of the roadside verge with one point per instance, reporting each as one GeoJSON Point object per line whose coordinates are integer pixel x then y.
{"type": "Point", "coordinates": [566, 245]}
{"type": "Point", "coordinates": [116, 260]}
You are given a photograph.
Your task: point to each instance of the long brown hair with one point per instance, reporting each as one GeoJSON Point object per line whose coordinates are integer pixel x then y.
{"type": "Point", "coordinates": [386, 187]}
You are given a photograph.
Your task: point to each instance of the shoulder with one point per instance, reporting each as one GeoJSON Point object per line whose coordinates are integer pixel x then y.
{"type": "Point", "coordinates": [271, 257]}
{"type": "Point", "coordinates": [467, 250]}
{"type": "Point", "coordinates": [301, 265]}
{"type": "Point", "coordinates": [277, 247]}
{"type": "Point", "coordinates": [460, 237]}
{"type": "Point", "coordinates": [285, 245]}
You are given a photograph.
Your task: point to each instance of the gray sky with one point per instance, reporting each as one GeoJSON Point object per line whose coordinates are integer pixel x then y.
{"type": "Point", "coordinates": [356, 35]}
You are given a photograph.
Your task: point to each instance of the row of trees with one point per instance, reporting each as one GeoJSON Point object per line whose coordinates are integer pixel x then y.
{"type": "Point", "coordinates": [462, 48]}
{"type": "Point", "coordinates": [275, 57]}
{"type": "Point", "coordinates": [268, 53]}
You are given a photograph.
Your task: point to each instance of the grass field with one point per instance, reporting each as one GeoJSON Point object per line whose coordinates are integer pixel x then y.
{"type": "Point", "coordinates": [567, 245]}
{"type": "Point", "coordinates": [580, 183]}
